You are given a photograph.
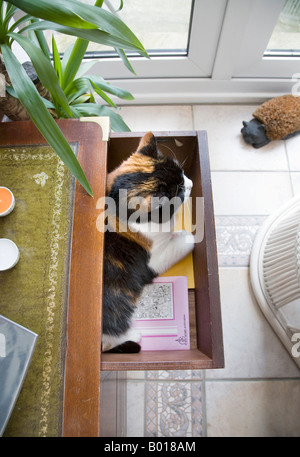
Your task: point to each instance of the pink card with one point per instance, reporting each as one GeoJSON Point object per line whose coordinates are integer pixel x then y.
{"type": "Point", "coordinates": [162, 315]}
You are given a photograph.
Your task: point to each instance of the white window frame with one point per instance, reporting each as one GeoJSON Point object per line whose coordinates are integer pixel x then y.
{"type": "Point", "coordinates": [223, 66]}
{"type": "Point", "coordinates": [259, 18]}
{"type": "Point", "coordinates": [204, 34]}
{"type": "Point", "coordinates": [225, 61]}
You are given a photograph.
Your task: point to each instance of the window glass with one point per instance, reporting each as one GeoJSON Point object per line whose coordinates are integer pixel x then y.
{"type": "Point", "coordinates": [285, 38]}
{"type": "Point", "coordinates": [162, 26]}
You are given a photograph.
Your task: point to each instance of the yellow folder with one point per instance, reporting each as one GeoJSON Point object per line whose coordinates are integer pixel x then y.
{"type": "Point", "coordinates": [185, 266]}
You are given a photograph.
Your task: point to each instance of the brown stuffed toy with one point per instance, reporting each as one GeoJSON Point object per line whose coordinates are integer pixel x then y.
{"type": "Point", "coordinates": [276, 119]}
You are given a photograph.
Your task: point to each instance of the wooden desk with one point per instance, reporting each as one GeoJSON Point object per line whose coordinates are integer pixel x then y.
{"type": "Point", "coordinates": [81, 404]}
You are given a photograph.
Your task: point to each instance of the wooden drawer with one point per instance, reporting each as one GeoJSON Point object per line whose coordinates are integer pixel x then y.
{"type": "Point", "coordinates": [206, 350]}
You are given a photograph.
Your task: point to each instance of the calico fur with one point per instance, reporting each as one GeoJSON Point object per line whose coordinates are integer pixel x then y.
{"type": "Point", "coordinates": [135, 256]}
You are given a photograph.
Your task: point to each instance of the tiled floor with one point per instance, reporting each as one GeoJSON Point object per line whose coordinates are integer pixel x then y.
{"type": "Point", "coordinates": [258, 391]}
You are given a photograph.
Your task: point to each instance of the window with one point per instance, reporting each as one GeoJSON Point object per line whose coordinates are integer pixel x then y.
{"type": "Point", "coordinates": [285, 38]}
{"type": "Point", "coordinates": [267, 47]}
{"type": "Point", "coordinates": [205, 51]}
{"type": "Point", "coordinates": [162, 26]}
{"type": "Point", "coordinates": [181, 38]}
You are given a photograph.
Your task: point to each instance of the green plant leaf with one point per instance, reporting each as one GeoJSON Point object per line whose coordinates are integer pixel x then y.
{"type": "Point", "coordinates": [107, 87]}
{"type": "Point", "coordinates": [56, 60]}
{"type": "Point", "coordinates": [46, 102]}
{"type": "Point", "coordinates": [121, 6]}
{"type": "Point", "coordinates": [95, 35]}
{"type": "Point", "coordinates": [103, 95]}
{"type": "Point", "coordinates": [17, 23]}
{"type": "Point", "coordinates": [93, 109]}
{"type": "Point", "coordinates": [39, 114]}
{"type": "Point", "coordinates": [77, 88]}
{"type": "Point", "coordinates": [121, 53]}
{"type": "Point", "coordinates": [82, 86]}
{"type": "Point", "coordinates": [41, 40]}
{"type": "Point", "coordinates": [10, 11]}
{"type": "Point", "coordinates": [74, 61]}
{"type": "Point", "coordinates": [45, 71]}
{"type": "Point", "coordinates": [81, 99]}
{"type": "Point", "coordinates": [88, 84]}
{"type": "Point", "coordinates": [73, 13]}
{"type": "Point", "coordinates": [56, 11]}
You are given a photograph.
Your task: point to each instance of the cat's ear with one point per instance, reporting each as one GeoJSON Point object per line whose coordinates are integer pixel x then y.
{"type": "Point", "coordinates": [148, 145]}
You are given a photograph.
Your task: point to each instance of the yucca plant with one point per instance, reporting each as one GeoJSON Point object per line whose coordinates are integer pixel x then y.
{"type": "Point", "coordinates": [68, 88]}
{"type": "Point", "coordinates": [80, 88]}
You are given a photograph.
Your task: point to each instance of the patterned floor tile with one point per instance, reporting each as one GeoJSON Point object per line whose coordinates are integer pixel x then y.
{"type": "Point", "coordinates": [173, 409]}
{"type": "Point", "coordinates": [180, 375]}
{"type": "Point", "coordinates": [235, 236]}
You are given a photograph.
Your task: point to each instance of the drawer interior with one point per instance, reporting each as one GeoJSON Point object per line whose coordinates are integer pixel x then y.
{"type": "Point", "coordinates": [206, 348]}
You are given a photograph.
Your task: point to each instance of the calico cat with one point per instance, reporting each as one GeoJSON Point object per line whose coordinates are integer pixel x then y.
{"type": "Point", "coordinates": [137, 249]}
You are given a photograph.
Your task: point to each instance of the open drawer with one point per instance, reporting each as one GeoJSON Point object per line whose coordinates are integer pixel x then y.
{"type": "Point", "coordinates": [190, 148]}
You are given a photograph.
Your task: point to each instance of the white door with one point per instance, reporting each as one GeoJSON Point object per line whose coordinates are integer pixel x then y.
{"type": "Point", "coordinates": [205, 51]}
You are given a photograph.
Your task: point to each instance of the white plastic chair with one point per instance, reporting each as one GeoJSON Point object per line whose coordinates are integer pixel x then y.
{"type": "Point", "coordinates": [275, 274]}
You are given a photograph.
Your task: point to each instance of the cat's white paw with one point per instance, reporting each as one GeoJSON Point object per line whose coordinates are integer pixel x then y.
{"type": "Point", "coordinates": [106, 343]}
{"type": "Point", "coordinates": [133, 335]}
{"type": "Point", "coordinates": [109, 341]}
{"type": "Point", "coordinates": [183, 236]}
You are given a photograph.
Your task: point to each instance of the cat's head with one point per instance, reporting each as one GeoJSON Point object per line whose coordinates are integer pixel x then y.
{"type": "Point", "coordinates": [150, 178]}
